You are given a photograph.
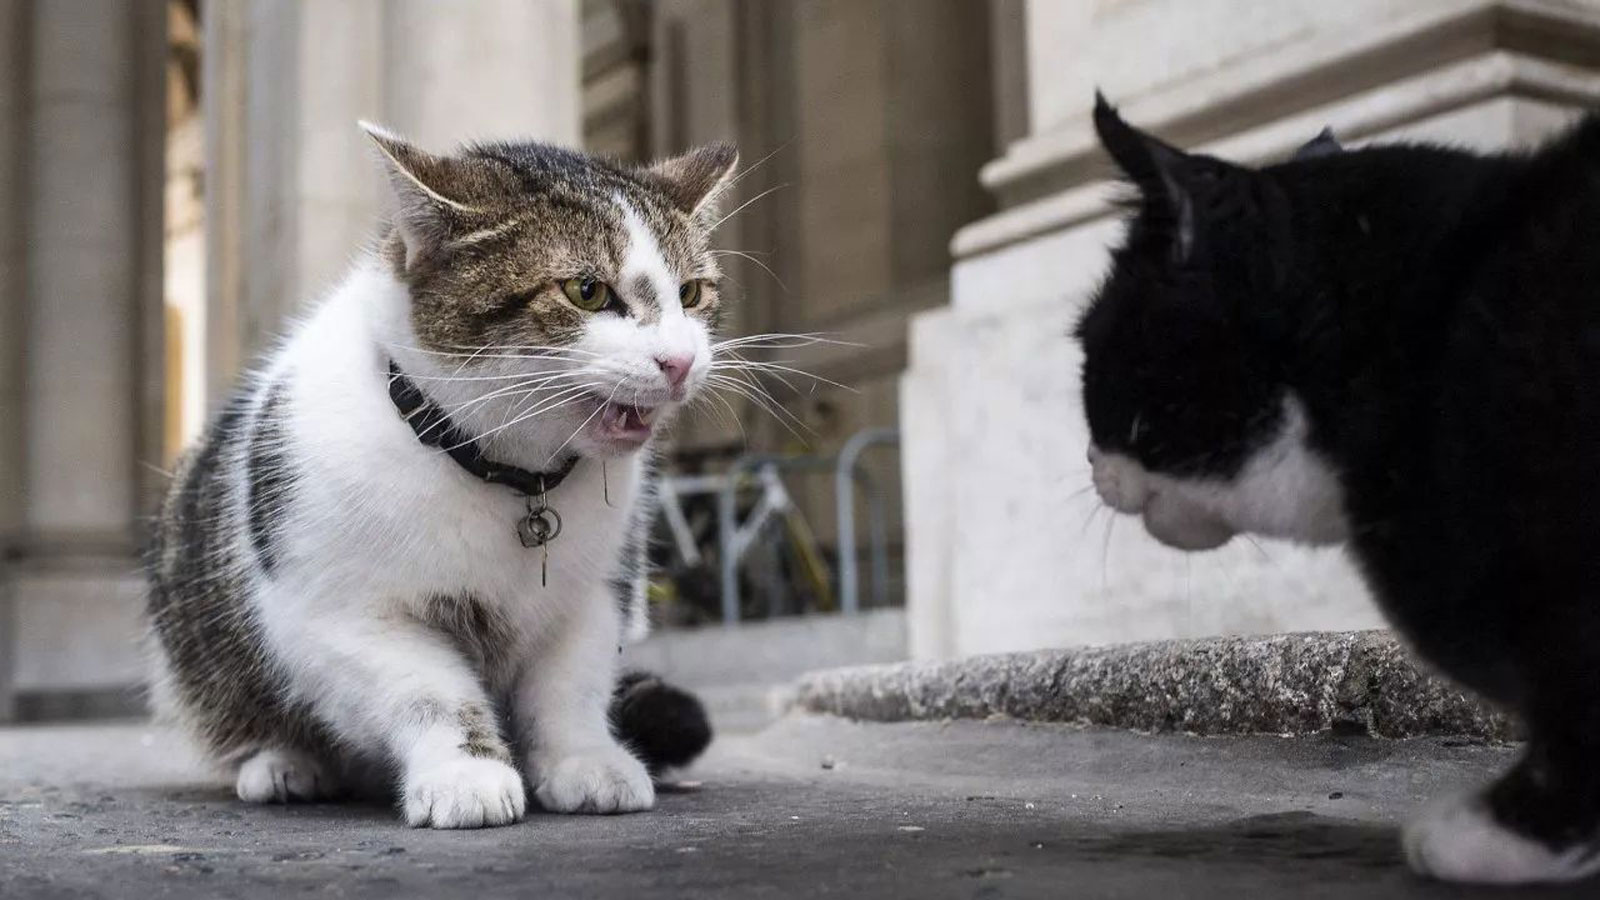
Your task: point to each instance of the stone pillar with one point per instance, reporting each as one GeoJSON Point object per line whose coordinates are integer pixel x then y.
{"type": "Point", "coordinates": [486, 69]}
{"type": "Point", "coordinates": [90, 284]}
{"type": "Point", "coordinates": [13, 131]}
{"type": "Point", "coordinates": [292, 190]}
{"type": "Point", "coordinates": [287, 198]}
{"type": "Point", "coordinates": [851, 117]}
{"type": "Point", "coordinates": [1008, 551]}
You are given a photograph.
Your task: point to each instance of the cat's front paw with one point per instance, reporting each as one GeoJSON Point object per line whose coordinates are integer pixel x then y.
{"type": "Point", "coordinates": [466, 792]}
{"type": "Point", "coordinates": [603, 780]}
{"type": "Point", "coordinates": [1458, 839]}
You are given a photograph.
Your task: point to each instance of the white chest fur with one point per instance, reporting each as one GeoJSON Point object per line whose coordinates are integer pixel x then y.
{"type": "Point", "coordinates": [380, 515]}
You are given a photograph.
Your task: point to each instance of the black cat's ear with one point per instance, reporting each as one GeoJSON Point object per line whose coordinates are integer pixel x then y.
{"type": "Point", "coordinates": [1324, 144]}
{"type": "Point", "coordinates": [1158, 169]}
{"type": "Point", "coordinates": [432, 194]}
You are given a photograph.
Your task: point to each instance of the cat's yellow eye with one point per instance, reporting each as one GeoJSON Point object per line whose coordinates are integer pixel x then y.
{"type": "Point", "coordinates": [689, 294]}
{"type": "Point", "coordinates": [587, 293]}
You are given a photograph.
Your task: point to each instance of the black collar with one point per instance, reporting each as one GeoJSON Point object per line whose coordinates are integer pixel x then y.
{"type": "Point", "coordinates": [435, 429]}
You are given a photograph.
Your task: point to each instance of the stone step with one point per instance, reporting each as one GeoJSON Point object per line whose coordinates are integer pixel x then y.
{"type": "Point", "coordinates": [1361, 682]}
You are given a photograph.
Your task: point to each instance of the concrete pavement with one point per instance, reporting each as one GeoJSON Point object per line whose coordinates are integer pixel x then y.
{"type": "Point", "coordinates": [812, 806]}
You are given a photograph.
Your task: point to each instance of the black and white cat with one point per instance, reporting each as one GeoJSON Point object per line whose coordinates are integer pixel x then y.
{"type": "Point", "coordinates": [1397, 348]}
{"type": "Point", "coordinates": [406, 551]}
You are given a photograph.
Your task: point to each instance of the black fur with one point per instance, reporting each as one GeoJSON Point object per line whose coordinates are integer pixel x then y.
{"type": "Point", "coordinates": [631, 583]}
{"type": "Point", "coordinates": [665, 727]}
{"type": "Point", "coordinates": [218, 664]}
{"type": "Point", "coordinates": [271, 480]}
{"type": "Point", "coordinates": [1438, 313]}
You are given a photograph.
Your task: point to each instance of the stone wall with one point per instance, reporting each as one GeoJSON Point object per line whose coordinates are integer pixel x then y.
{"type": "Point", "coordinates": [862, 123]}
{"type": "Point", "coordinates": [1007, 548]}
{"type": "Point", "coordinates": [292, 193]}
{"type": "Point", "coordinates": [80, 335]}
{"type": "Point", "coordinates": [293, 188]}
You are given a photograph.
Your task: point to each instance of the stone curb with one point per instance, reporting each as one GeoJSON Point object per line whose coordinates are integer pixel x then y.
{"type": "Point", "coordinates": [1361, 682]}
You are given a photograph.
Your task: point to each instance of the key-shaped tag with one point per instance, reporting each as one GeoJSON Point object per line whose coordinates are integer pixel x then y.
{"type": "Point", "coordinates": [537, 529]}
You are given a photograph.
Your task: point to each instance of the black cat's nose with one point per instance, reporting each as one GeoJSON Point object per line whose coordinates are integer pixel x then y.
{"type": "Point", "coordinates": [1093, 455]}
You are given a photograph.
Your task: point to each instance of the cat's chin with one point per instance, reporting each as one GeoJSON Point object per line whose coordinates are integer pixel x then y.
{"type": "Point", "coordinates": [1183, 526]}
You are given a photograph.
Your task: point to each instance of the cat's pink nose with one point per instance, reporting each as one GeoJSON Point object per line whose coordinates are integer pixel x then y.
{"type": "Point", "coordinates": [676, 368]}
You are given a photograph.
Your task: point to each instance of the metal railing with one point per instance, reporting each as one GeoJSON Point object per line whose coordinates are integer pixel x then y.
{"type": "Point", "coordinates": [845, 474]}
{"type": "Point", "coordinates": [737, 537]}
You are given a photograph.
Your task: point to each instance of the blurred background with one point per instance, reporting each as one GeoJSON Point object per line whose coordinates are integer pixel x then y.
{"type": "Point", "coordinates": [177, 177]}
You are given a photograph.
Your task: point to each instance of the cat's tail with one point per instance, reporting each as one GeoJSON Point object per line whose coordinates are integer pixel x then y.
{"type": "Point", "coordinates": [665, 726]}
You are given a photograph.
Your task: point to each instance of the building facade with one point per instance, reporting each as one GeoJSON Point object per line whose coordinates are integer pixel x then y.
{"type": "Point", "coordinates": [1006, 550]}
{"type": "Point", "coordinates": [920, 183]}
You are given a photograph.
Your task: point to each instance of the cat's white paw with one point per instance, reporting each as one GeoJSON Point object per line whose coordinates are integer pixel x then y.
{"type": "Point", "coordinates": [464, 792]}
{"type": "Point", "coordinates": [604, 780]}
{"type": "Point", "coordinates": [1457, 839]}
{"type": "Point", "coordinates": [278, 776]}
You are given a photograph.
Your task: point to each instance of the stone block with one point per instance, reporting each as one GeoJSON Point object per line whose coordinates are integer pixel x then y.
{"type": "Point", "coordinates": [80, 52]}
{"type": "Point", "coordinates": [80, 191]}
{"type": "Point", "coordinates": [1362, 682]}
{"type": "Point", "coordinates": [1480, 75]}
{"type": "Point", "coordinates": [77, 630]}
{"type": "Point", "coordinates": [81, 418]}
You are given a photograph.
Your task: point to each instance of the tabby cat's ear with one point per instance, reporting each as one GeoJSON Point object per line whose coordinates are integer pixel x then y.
{"type": "Point", "coordinates": [697, 179]}
{"type": "Point", "coordinates": [1158, 169]}
{"type": "Point", "coordinates": [433, 195]}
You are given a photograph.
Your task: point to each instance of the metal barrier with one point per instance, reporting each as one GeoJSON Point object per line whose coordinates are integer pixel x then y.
{"type": "Point", "coordinates": [844, 478]}
{"type": "Point", "coordinates": [735, 538]}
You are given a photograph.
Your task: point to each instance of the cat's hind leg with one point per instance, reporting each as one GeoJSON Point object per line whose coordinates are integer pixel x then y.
{"type": "Point", "coordinates": [279, 775]}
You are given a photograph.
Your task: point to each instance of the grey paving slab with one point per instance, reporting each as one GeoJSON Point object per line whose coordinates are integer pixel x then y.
{"type": "Point", "coordinates": [810, 807]}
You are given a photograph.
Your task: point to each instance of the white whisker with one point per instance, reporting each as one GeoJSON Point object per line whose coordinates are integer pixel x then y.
{"type": "Point", "coordinates": [740, 208]}
{"type": "Point", "coordinates": [758, 164]}
{"type": "Point", "coordinates": [743, 255]}
{"type": "Point", "coordinates": [584, 424]}
{"type": "Point", "coordinates": [761, 399]}
{"type": "Point", "coordinates": [548, 404]}
{"type": "Point", "coordinates": [773, 368]}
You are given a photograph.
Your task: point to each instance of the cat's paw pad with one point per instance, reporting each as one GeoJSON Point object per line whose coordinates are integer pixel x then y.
{"type": "Point", "coordinates": [279, 776]}
{"type": "Point", "coordinates": [608, 780]}
{"type": "Point", "coordinates": [1458, 839]}
{"type": "Point", "coordinates": [467, 792]}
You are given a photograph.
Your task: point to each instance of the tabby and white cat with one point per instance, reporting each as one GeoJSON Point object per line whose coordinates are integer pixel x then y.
{"type": "Point", "coordinates": [409, 548]}
{"type": "Point", "coordinates": [1398, 348]}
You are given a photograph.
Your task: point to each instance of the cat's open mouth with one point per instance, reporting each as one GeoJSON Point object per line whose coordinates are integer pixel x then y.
{"type": "Point", "coordinates": [624, 422]}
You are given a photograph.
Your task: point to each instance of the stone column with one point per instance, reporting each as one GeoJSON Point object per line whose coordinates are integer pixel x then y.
{"type": "Point", "coordinates": [851, 117]}
{"type": "Point", "coordinates": [484, 69]}
{"type": "Point", "coordinates": [1009, 553]}
{"type": "Point", "coordinates": [292, 189]}
{"type": "Point", "coordinates": [13, 131]}
{"type": "Point", "coordinates": [90, 281]}
{"type": "Point", "coordinates": [287, 197]}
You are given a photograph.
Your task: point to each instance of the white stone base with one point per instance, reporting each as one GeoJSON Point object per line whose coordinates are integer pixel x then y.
{"type": "Point", "coordinates": [77, 631]}
{"type": "Point", "coordinates": [1006, 548]}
